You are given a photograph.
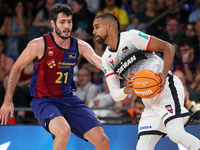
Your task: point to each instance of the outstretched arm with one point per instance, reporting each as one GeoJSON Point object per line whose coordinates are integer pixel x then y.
{"type": "Point", "coordinates": [87, 51]}
{"type": "Point", "coordinates": [30, 52]}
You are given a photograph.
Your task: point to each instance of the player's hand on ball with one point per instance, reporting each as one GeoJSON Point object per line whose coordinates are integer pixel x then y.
{"type": "Point", "coordinates": [146, 83]}
{"type": "Point", "coordinates": [162, 83]}
{"type": "Point", "coordinates": [129, 86]}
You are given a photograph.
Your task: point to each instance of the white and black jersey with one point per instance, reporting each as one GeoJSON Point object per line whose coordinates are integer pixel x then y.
{"type": "Point", "coordinates": [131, 55]}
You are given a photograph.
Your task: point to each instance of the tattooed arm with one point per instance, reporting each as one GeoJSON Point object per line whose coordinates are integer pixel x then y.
{"type": "Point", "coordinates": [87, 51]}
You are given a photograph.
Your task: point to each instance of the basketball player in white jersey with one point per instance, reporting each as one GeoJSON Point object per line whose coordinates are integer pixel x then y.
{"type": "Point", "coordinates": [132, 51]}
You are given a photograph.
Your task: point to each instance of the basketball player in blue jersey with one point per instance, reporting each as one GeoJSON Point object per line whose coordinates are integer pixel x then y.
{"type": "Point", "coordinates": [132, 51]}
{"type": "Point", "coordinates": [58, 110]}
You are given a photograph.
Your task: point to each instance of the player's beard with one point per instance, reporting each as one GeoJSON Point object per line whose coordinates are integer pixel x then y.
{"type": "Point", "coordinates": [58, 32]}
{"type": "Point", "coordinates": [101, 40]}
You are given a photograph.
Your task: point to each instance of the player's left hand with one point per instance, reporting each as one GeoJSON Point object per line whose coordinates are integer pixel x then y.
{"type": "Point", "coordinates": [161, 85]}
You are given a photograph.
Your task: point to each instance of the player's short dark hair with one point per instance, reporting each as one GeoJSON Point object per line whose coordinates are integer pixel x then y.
{"type": "Point", "coordinates": [58, 8]}
{"type": "Point", "coordinates": [108, 15]}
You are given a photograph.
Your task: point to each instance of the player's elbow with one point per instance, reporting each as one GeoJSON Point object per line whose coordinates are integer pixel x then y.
{"type": "Point", "coordinates": [172, 48]}
{"type": "Point", "coordinates": [169, 48]}
{"type": "Point", "coordinates": [116, 98]}
{"type": "Point", "coordinates": [118, 95]}
{"type": "Point", "coordinates": [16, 68]}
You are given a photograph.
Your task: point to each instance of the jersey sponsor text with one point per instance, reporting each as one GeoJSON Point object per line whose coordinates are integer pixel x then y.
{"type": "Point", "coordinates": [125, 64]}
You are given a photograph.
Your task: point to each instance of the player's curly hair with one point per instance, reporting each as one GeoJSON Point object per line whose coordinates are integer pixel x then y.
{"type": "Point", "coordinates": [58, 8]}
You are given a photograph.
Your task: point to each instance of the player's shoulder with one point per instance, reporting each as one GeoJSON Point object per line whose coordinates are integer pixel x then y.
{"type": "Point", "coordinates": [36, 47]}
{"type": "Point", "coordinates": [83, 46]}
{"type": "Point", "coordinates": [130, 32]}
{"type": "Point", "coordinates": [81, 42]}
{"type": "Point", "coordinates": [36, 43]}
{"type": "Point", "coordinates": [135, 35]}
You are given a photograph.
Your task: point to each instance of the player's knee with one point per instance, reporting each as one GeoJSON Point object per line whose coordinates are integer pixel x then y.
{"type": "Point", "coordinates": [63, 133]}
{"type": "Point", "coordinates": [66, 133]}
{"type": "Point", "coordinates": [104, 141]}
{"type": "Point", "coordinates": [175, 130]}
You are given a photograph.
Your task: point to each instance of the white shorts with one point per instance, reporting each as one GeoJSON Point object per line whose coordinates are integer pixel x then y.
{"type": "Point", "coordinates": [159, 110]}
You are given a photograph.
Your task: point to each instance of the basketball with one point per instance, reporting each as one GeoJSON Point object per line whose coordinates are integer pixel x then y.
{"type": "Point", "coordinates": [145, 83]}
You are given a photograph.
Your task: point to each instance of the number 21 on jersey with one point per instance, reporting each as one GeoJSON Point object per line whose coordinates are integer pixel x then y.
{"type": "Point", "coordinates": [61, 74]}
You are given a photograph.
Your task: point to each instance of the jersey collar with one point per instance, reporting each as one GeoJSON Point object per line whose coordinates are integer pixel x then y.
{"type": "Point", "coordinates": [117, 45]}
{"type": "Point", "coordinates": [58, 45]}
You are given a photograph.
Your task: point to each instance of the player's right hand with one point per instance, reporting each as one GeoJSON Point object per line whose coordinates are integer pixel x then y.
{"type": "Point", "coordinates": [129, 86]}
{"type": "Point", "coordinates": [6, 108]}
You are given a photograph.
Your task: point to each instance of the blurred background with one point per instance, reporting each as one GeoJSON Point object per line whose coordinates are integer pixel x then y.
{"type": "Point", "coordinates": [175, 21]}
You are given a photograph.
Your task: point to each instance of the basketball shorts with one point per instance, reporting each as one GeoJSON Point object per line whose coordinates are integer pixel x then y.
{"type": "Point", "coordinates": [80, 117]}
{"type": "Point", "coordinates": [159, 110]}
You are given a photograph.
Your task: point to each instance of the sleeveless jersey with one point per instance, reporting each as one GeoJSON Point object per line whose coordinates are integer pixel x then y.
{"type": "Point", "coordinates": [53, 73]}
{"type": "Point", "coordinates": [131, 55]}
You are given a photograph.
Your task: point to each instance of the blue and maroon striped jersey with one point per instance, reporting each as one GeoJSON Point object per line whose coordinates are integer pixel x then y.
{"type": "Point", "coordinates": [53, 73]}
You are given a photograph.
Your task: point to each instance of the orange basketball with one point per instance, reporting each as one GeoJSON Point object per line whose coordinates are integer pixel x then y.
{"type": "Point", "coordinates": [145, 83]}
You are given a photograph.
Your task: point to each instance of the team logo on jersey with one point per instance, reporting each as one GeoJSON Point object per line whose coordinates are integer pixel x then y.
{"type": "Point", "coordinates": [52, 114]}
{"type": "Point", "coordinates": [51, 63]}
{"type": "Point", "coordinates": [112, 62]}
{"type": "Point", "coordinates": [125, 49]}
{"type": "Point", "coordinates": [50, 47]}
{"type": "Point", "coordinates": [142, 34]}
{"type": "Point", "coordinates": [72, 56]}
{"type": "Point", "coordinates": [50, 53]}
{"type": "Point", "coordinates": [169, 108]}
